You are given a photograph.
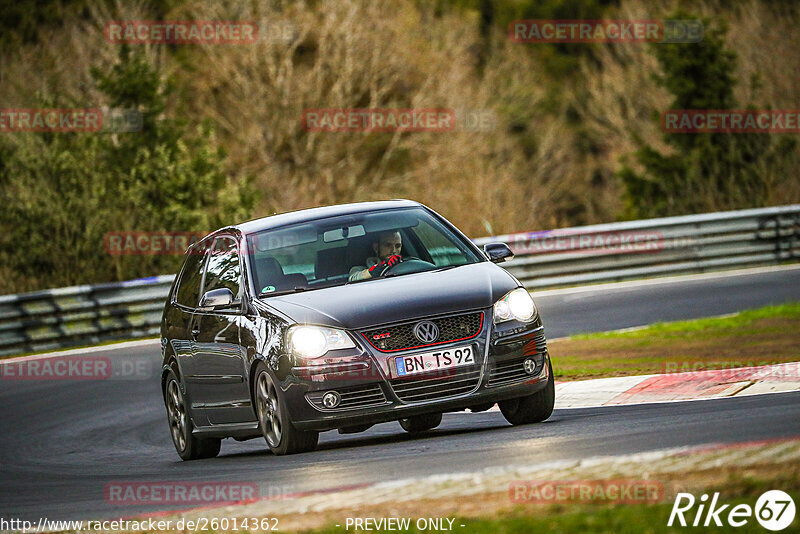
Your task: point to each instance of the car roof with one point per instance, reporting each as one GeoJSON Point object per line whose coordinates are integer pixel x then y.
{"type": "Point", "coordinates": [312, 214]}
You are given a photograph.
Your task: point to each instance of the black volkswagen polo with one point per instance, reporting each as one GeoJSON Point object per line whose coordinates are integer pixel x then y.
{"type": "Point", "coordinates": [342, 317]}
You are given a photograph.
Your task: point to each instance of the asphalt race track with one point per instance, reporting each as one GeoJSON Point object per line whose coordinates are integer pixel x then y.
{"type": "Point", "coordinates": [61, 442]}
{"type": "Point", "coordinates": [587, 309]}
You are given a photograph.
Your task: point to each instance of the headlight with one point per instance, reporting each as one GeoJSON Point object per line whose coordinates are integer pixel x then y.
{"type": "Point", "coordinates": [309, 341]}
{"type": "Point", "coordinates": [517, 304]}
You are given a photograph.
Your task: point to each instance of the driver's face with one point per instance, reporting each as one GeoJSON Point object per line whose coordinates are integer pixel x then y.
{"type": "Point", "coordinates": [389, 245]}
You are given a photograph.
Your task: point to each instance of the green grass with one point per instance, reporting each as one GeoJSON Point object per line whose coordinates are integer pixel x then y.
{"type": "Point", "coordinates": [761, 336]}
{"type": "Point", "coordinates": [733, 324]}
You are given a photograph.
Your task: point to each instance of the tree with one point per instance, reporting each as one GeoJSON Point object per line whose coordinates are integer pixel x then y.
{"type": "Point", "coordinates": [80, 186]}
{"type": "Point", "coordinates": [703, 171]}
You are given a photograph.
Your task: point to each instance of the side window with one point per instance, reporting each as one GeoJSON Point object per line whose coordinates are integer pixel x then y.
{"type": "Point", "coordinates": [223, 266]}
{"type": "Point", "coordinates": [188, 291]}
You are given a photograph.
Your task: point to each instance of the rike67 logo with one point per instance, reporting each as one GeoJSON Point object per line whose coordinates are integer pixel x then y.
{"type": "Point", "coordinates": [774, 510]}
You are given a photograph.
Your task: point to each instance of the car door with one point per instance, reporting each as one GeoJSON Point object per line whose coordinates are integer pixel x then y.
{"type": "Point", "coordinates": [182, 320]}
{"type": "Point", "coordinates": [219, 357]}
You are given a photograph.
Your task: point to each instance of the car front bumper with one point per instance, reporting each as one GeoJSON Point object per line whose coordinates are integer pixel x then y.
{"type": "Point", "coordinates": [369, 395]}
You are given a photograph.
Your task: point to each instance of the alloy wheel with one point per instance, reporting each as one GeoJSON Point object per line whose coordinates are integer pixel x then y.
{"type": "Point", "coordinates": [269, 410]}
{"type": "Point", "coordinates": [176, 412]}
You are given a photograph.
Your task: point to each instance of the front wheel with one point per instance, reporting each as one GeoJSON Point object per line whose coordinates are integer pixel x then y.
{"type": "Point", "coordinates": [189, 447]}
{"type": "Point", "coordinates": [421, 423]}
{"type": "Point", "coordinates": [273, 419]}
{"type": "Point", "coordinates": [533, 408]}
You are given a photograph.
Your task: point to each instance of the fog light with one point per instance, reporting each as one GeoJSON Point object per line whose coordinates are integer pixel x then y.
{"type": "Point", "coordinates": [529, 365]}
{"type": "Point", "coordinates": [331, 399]}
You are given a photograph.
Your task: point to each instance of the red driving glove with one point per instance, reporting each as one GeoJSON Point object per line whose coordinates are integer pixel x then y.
{"type": "Point", "coordinates": [379, 268]}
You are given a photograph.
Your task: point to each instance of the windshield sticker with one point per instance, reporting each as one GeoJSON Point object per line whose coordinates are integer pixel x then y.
{"type": "Point", "coordinates": [268, 289]}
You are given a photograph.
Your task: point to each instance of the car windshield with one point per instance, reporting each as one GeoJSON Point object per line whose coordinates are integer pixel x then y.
{"type": "Point", "coordinates": [326, 252]}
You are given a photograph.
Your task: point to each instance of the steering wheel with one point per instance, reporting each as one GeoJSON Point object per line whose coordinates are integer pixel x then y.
{"type": "Point", "coordinates": [409, 265]}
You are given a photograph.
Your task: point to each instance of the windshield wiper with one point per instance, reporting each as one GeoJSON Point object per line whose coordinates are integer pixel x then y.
{"type": "Point", "coordinates": [283, 292]}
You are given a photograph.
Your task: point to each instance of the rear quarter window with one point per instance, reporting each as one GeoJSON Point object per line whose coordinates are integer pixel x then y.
{"type": "Point", "coordinates": [222, 268]}
{"type": "Point", "coordinates": [188, 290]}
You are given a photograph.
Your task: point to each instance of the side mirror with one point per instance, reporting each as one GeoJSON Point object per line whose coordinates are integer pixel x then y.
{"type": "Point", "coordinates": [216, 299]}
{"type": "Point", "coordinates": [497, 252]}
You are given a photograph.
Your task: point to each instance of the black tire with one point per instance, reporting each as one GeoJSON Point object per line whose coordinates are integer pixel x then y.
{"type": "Point", "coordinates": [421, 423]}
{"type": "Point", "coordinates": [273, 418]}
{"type": "Point", "coordinates": [188, 446]}
{"type": "Point", "coordinates": [533, 408]}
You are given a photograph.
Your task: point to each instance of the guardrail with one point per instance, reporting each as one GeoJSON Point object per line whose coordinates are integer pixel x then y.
{"type": "Point", "coordinates": [654, 247]}
{"type": "Point", "coordinates": [83, 315]}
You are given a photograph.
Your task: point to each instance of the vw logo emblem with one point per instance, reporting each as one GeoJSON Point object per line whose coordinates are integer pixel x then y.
{"type": "Point", "coordinates": [426, 331]}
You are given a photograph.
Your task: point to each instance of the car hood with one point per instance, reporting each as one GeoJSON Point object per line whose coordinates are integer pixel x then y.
{"type": "Point", "coordinates": [371, 303]}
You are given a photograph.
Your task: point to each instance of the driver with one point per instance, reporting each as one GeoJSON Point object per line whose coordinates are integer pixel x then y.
{"type": "Point", "coordinates": [387, 248]}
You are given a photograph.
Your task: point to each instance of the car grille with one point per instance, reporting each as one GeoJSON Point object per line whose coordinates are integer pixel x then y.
{"type": "Point", "coordinates": [401, 336]}
{"type": "Point", "coordinates": [510, 371]}
{"type": "Point", "coordinates": [352, 397]}
{"type": "Point", "coordinates": [432, 387]}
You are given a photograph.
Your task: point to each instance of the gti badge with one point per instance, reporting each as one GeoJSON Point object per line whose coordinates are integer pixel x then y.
{"type": "Point", "coordinates": [426, 331]}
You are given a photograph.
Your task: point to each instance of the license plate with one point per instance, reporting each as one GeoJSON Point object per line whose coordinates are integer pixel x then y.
{"type": "Point", "coordinates": [434, 361]}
